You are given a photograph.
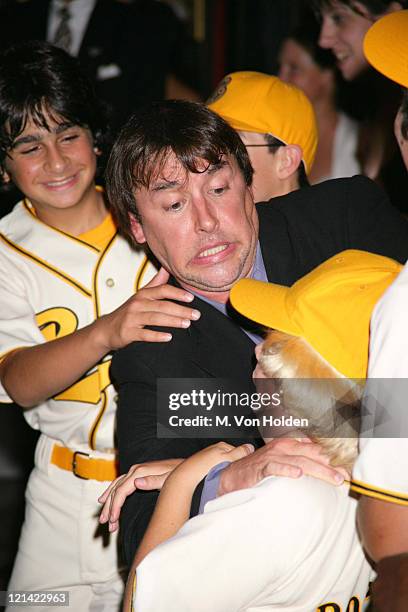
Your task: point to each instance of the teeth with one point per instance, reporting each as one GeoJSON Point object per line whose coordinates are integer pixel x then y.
{"type": "Point", "coordinates": [59, 183]}
{"type": "Point", "coordinates": [213, 251]}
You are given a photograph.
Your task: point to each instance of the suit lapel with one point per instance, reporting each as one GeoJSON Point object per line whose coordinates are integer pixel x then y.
{"type": "Point", "coordinates": [217, 341]}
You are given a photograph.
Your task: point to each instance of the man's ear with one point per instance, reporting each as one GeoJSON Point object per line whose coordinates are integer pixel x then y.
{"type": "Point", "coordinates": [137, 229]}
{"type": "Point", "coordinates": [289, 158]}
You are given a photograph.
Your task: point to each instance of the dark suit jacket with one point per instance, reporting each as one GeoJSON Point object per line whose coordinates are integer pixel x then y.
{"type": "Point", "coordinates": [297, 233]}
{"type": "Point", "coordinates": [136, 38]}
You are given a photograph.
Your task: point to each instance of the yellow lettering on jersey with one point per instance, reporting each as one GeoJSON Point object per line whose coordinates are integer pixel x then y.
{"type": "Point", "coordinates": [56, 322]}
{"type": "Point", "coordinates": [59, 322]}
{"type": "Point", "coordinates": [353, 606]}
{"type": "Point", "coordinates": [89, 388]}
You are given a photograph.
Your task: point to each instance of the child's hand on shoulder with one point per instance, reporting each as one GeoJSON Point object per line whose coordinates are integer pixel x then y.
{"type": "Point", "coordinates": [196, 467]}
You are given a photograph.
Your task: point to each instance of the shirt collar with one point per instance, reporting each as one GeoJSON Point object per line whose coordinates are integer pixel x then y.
{"type": "Point", "coordinates": [258, 273]}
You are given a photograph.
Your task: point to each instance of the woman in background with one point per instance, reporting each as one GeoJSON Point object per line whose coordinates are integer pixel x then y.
{"type": "Point", "coordinates": [304, 64]}
{"type": "Point", "coordinates": [375, 99]}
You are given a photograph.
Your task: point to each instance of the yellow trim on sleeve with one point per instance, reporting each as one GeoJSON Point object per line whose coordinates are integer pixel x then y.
{"type": "Point", "coordinates": [378, 493]}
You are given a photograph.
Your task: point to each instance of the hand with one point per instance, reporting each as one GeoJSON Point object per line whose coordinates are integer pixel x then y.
{"type": "Point", "coordinates": [195, 468]}
{"type": "Point", "coordinates": [147, 476]}
{"type": "Point", "coordinates": [149, 306]}
{"type": "Point", "coordinates": [280, 457]}
{"type": "Point", "coordinates": [390, 589]}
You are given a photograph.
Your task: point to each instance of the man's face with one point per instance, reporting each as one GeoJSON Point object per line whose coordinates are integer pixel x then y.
{"type": "Point", "coordinates": [202, 227]}
{"type": "Point", "coordinates": [343, 31]}
{"type": "Point", "coordinates": [402, 142]}
{"type": "Point", "coordinates": [55, 169]}
{"type": "Point", "coordinates": [265, 183]}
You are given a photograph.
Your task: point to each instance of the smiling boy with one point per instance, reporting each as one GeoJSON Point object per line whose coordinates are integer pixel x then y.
{"type": "Point", "coordinates": [65, 276]}
{"type": "Point", "coordinates": [55, 168]}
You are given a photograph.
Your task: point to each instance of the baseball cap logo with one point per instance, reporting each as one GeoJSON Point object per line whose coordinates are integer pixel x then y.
{"type": "Point", "coordinates": [220, 90]}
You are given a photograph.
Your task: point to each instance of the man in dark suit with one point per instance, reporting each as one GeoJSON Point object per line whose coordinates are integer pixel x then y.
{"type": "Point", "coordinates": [179, 178]}
{"type": "Point", "coordinates": [124, 47]}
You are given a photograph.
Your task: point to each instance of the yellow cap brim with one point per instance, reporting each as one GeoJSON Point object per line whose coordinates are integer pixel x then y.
{"type": "Point", "coordinates": [330, 307]}
{"type": "Point", "coordinates": [264, 303]}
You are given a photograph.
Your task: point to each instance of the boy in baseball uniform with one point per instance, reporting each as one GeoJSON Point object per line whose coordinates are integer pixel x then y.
{"type": "Point", "coordinates": [380, 474]}
{"type": "Point", "coordinates": [67, 285]}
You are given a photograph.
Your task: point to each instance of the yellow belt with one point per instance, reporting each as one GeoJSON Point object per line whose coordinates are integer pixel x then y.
{"type": "Point", "coordinates": [83, 466]}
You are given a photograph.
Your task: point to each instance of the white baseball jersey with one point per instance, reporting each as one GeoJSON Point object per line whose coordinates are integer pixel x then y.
{"type": "Point", "coordinates": [381, 469]}
{"type": "Point", "coordinates": [52, 284]}
{"type": "Point", "coordinates": [282, 545]}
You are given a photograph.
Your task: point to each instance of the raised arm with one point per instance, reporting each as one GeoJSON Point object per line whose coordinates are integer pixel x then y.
{"type": "Point", "coordinates": [55, 365]}
{"type": "Point", "coordinates": [173, 505]}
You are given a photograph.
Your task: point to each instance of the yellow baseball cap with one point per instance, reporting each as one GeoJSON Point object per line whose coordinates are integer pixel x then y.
{"type": "Point", "coordinates": [386, 46]}
{"type": "Point", "coordinates": [330, 307]}
{"type": "Point", "coordinates": [257, 102]}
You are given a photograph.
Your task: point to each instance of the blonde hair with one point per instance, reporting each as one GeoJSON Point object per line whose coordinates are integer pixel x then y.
{"type": "Point", "coordinates": [312, 389]}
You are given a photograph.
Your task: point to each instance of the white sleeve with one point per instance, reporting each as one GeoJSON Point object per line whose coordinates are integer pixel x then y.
{"type": "Point", "coordinates": [230, 556]}
{"type": "Point", "coordinates": [389, 332]}
{"type": "Point", "coordinates": [381, 469]}
{"type": "Point", "coordinates": [18, 327]}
